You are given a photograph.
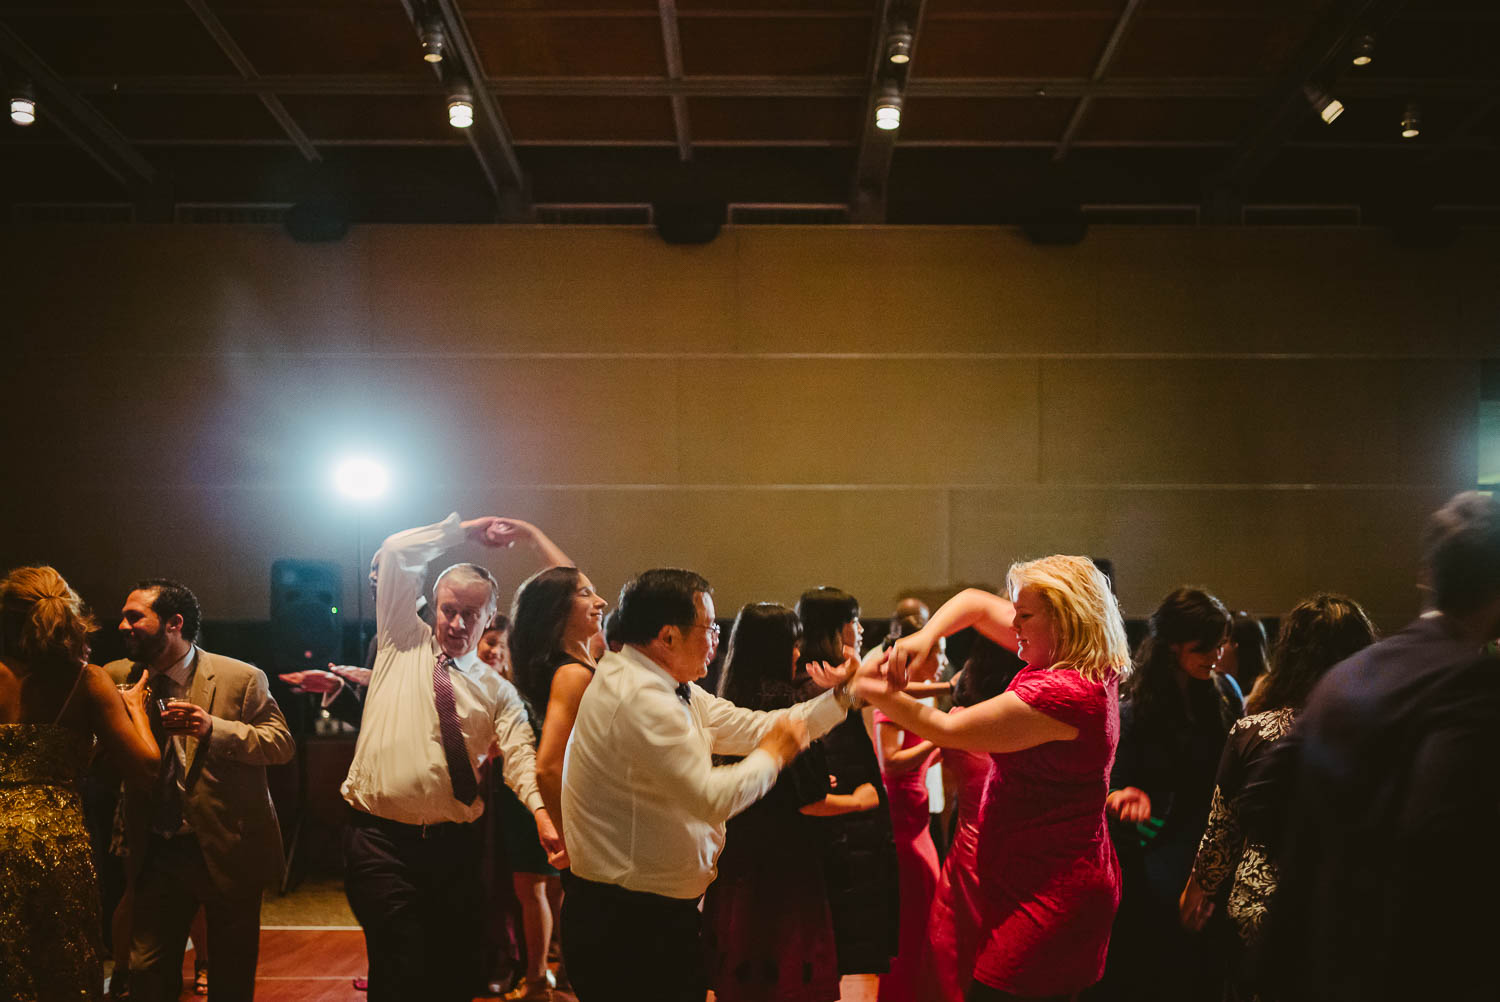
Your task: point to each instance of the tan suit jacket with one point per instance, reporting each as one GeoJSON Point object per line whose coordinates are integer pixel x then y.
{"type": "Point", "coordinates": [225, 797]}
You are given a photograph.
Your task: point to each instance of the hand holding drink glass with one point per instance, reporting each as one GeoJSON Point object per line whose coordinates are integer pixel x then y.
{"type": "Point", "coordinates": [184, 718]}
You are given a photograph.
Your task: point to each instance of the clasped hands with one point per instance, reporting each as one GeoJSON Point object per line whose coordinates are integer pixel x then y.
{"type": "Point", "coordinates": [500, 533]}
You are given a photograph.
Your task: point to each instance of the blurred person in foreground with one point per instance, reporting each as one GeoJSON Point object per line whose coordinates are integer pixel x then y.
{"type": "Point", "coordinates": [1380, 806]}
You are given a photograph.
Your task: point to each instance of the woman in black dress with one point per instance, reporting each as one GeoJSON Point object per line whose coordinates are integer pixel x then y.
{"type": "Point", "coordinates": [768, 930]}
{"type": "Point", "coordinates": [555, 615]}
{"type": "Point", "coordinates": [859, 862]}
{"type": "Point", "coordinates": [1175, 712]}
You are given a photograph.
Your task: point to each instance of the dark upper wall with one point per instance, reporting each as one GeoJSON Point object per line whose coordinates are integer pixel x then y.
{"type": "Point", "coordinates": [1265, 412]}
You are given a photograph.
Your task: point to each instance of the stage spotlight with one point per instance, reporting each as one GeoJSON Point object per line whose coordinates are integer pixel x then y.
{"type": "Point", "coordinates": [1330, 109]}
{"type": "Point", "coordinates": [432, 40]}
{"type": "Point", "coordinates": [460, 106]}
{"type": "Point", "coordinates": [898, 46]}
{"type": "Point", "coordinates": [361, 478]}
{"type": "Point", "coordinates": [1364, 50]}
{"type": "Point", "coordinates": [1411, 121]}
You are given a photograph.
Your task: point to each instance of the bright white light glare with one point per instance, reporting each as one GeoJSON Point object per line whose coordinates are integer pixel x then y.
{"type": "Point", "coordinates": [1333, 109]}
{"type": "Point", "coordinates": [361, 478]}
{"type": "Point", "coordinates": [22, 110]}
{"type": "Point", "coordinates": [460, 113]}
{"type": "Point", "coordinates": [888, 117]}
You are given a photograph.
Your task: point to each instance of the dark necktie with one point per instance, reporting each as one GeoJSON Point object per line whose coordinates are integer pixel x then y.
{"type": "Point", "coordinates": [167, 817]}
{"type": "Point", "coordinates": [460, 771]}
{"type": "Point", "coordinates": [685, 693]}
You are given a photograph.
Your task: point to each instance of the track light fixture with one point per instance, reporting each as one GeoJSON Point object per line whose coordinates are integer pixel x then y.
{"type": "Point", "coordinates": [1327, 107]}
{"type": "Point", "coordinates": [432, 40]}
{"type": "Point", "coordinates": [898, 45]}
{"type": "Point", "coordinates": [888, 109]}
{"type": "Point", "coordinates": [1364, 50]}
{"type": "Point", "coordinates": [1411, 121]}
{"type": "Point", "coordinates": [22, 105]}
{"type": "Point", "coordinates": [460, 105]}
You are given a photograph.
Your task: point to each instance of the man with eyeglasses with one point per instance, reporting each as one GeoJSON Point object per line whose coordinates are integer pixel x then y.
{"type": "Point", "coordinates": [644, 806]}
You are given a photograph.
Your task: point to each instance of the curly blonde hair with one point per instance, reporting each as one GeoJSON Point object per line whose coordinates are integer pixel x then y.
{"type": "Point", "coordinates": [1090, 632]}
{"type": "Point", "coordinates": [43, 622]}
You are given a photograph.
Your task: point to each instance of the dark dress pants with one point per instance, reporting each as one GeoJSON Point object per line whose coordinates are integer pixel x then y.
{"type": "Point", "coordinates": [417, 893]}
{"type": "Point", "coordinates": [627, 945]}
{"type": "Point", "coordinates": [172, 883]}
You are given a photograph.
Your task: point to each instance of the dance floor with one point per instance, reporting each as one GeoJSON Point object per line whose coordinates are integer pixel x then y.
{"type": "Point", "coordinates": [320, 963]}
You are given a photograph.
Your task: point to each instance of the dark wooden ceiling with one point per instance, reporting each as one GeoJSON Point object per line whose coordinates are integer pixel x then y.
{"type": "Point", "coordinates": [1138, 110]}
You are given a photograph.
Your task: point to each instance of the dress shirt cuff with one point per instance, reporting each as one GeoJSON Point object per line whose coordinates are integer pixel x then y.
{"type": "Point", "coordinates": [763, 763]}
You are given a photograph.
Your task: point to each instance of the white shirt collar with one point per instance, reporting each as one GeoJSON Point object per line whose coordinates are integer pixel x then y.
{"type": "Point", "coordinates": [178, 670]}
{"type": "Point", "coordinates": [640, 658]}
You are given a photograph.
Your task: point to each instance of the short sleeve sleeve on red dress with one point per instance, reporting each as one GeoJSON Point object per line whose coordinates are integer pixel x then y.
{"type": "Point", "coordinates": [1062, 695]}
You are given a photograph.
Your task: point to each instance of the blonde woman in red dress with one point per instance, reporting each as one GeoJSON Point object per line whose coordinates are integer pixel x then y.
{"type": "Point", "coordinates": [1048, 879]}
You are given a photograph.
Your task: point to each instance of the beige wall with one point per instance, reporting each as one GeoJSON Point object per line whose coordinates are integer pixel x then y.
{"type": "Point", "coordinates": [1265, 412]}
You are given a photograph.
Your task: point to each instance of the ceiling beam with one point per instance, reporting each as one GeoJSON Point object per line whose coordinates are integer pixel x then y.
{"type": "Point", "coordinates": [236, 55]}
{"type": "Point", "coordinates": [489, 136]}
{"type": "Point", "coordinates": [671, 41]}
{"type": "Point", "coordinates": [89, 130]}
{"type": "Point", "coordinates": [1317, 64]}
{"type": "Point", "coordinates": [1101, 70]}
{"type": "Point", "coordinates": [877, 147]}
{"type": "Point", "coordinates": [1226, 88]}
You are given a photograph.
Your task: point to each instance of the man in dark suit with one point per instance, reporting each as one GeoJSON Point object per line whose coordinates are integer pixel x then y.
{"type": "Point", "coordinates": [206, 834]}
{"type": "Point", "coordinates": [1382, 804]}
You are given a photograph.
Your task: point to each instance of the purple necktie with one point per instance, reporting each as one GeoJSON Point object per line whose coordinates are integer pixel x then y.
{"type": "Point", "coordinates": [460, 772]}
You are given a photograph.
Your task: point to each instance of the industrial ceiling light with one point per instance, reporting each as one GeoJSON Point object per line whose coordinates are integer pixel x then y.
{"type": "Point", "coordinates": [898, 46]}
{"type": "Point", "coordinates": [1330, 109]}
{"type": "Point", "coordinates": [22, 105]}
{"type": "Point", "coordinates": [460, 106]}
{"type": "Point", "coordinates": [1411, 121]}
{"type": "Point", "coordinates": [1364, 50]}
{"type": "Point", "coordinates": [888, 109]}
{"type": "Point", "coordinates": [432, 40]}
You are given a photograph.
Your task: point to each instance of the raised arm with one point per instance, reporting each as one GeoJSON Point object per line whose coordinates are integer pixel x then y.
{"type": "Point", "coordinates": [123, 728]}
{"type": "Point", "coordinates": [988, 613]}
{"type": "Point", "coordinates": [736, 730]}
{"type": "Point", "coordinates": [513, 530]}
{"type": "Point", "coordinates": [401, 570]}
{"type": "Point", "coordinates": [1003, 723]}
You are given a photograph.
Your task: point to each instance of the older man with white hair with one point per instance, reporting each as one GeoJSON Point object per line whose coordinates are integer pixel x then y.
{"type": "Point", "coordinates": [432, 712]}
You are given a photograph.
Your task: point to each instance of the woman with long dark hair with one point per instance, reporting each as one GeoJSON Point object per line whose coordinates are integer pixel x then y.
{"type": "Point", "coordinates": [53, 704]}
{"type": "Point", "coordinates": [767, 925]}
{"type": "Point", "coordinates": [554, 616]}
{"type": "Point", "coordinates": [1175, 714]}
{"type": "Point", "coordinates": [860, 850]}
{"type": "Point", "coordinates": [1316, 635]}
{"type": "Point", "coordinates": [1046, 874]}
{"type": "Point", "coordinates": [1245, 657]}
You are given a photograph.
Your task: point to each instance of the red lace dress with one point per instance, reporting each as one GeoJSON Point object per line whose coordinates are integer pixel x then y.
{"type": "Point", "coordinates": [954, 927]}
{"type": "Point", "coordinates": [1048, 877]}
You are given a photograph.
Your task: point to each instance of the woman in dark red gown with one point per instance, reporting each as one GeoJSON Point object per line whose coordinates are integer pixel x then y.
{"type": "Point", "coordinates": [1048, 879]}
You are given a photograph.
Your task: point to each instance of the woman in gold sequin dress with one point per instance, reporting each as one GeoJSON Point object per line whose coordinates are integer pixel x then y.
{"type": "Point", "coordinates": [52, 706]}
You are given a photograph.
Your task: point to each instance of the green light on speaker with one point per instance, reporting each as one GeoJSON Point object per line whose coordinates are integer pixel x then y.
{"type": "Point", "coordinates": [334, 610]}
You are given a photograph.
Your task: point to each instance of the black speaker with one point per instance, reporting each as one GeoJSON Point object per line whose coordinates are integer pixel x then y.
{"type": "Point", "coordinates": [689, 222]}
{"type": "Point", "coordinates": [317, 222]}
{"type": "Point", "coordinates": [306, 600]}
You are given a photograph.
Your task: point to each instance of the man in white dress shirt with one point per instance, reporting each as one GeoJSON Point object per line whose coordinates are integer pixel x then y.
{"type": "Point", "coordinates": [433, 710]}
{"type": "Point", "coordinates": [643, 804]}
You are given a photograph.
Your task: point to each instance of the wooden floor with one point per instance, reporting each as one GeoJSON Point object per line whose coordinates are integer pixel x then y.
{"type": "Point", "coordinates": [320, 965]}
